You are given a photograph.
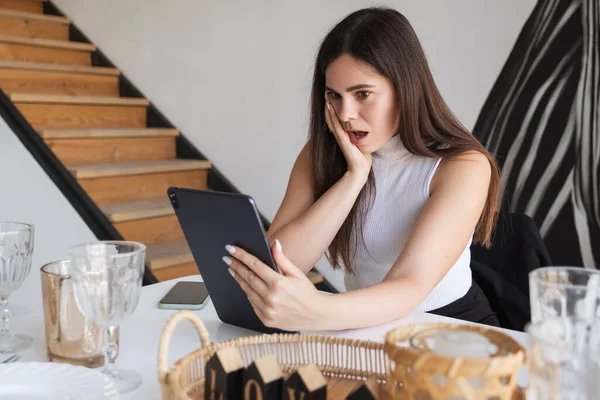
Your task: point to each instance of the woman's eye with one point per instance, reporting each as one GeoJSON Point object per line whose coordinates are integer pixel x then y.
{"type": "Point", "coordinates": [362, 94]}
{"type": "Point", "coordinates": [333, 95]}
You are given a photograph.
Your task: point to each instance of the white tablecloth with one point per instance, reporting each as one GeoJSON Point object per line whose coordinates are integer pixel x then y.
{"type": "Point", "coordinates": [140, 334]}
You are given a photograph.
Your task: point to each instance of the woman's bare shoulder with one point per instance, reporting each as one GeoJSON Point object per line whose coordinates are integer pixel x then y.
{"type": "Point", "coordinates": [469, 167]}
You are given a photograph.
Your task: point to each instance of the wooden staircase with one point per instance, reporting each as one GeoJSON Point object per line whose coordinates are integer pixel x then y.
{"type": "Point", "coordinates": [101, 138]}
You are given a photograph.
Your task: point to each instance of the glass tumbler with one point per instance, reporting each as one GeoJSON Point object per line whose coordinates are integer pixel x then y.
{"type": "Point", "coordinates": [562, 359]}
{"type": "Point", "coordinates": [564, 292]}
{"type": "Point", "coordinates": [70, 337]}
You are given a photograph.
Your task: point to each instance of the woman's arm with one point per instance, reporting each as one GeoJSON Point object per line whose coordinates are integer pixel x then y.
{"type": "Point", "coordinates": [306, 227]}
{"type": "Point", "coordinates": [458, 194]}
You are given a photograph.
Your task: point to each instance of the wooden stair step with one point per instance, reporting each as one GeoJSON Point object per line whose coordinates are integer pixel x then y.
{"type": "Point", "coordinates": [58, 83]}
{"type": "Point", "coordinates": [83, 116]}
{"type": "Point", "coordinates": [175, 272]}
{"type": "Point", "coordinates": [31, 16]}
{"type": "Point", "coordinates": [48, 43]}
{"type": "Point", "coordinates": [45, 50]}
{"type": "Point", "coordinates": [33, 25]}
{"type": "Point", "coordinates": [141, 187]}
{"type": "Point", "coordinates": [151, 230]}
{"type": "Point", "coordinates": [77, 100]}
{"type": "Point", "coordinates": [136, 168]}
{"type": "Point", "coordinates": [107, 133]}
{"type": "Point", "coordinates": [122, 212]}
{"type": "Point", "coordinates": [168, 254]}
{"type": "Point", "coordinates": [34, 6]}
{"type": "Point", "coordinates": [90, 151]}
{"type": "Point", "coordinates": [47, 67]}
{"type": "Point", "coordinates": [44, 111]}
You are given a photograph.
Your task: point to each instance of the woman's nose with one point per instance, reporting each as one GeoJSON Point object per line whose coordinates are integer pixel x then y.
{"type": "Point", "coordinates": [347, 112]}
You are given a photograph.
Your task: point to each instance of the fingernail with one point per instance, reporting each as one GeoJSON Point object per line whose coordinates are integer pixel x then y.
{"type": "Point", "coordinates": [231, 272]}
{"type": "Point", "coordinates": [230, 249]}
{"type": "Point", "coordinates": [227, 260]}
{"type": "Point", "coordinates": [328, 107]}
{"type": "Point", "coordinates": [278, 245]}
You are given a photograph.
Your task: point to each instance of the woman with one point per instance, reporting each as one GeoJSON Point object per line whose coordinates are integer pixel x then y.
{"type": "Point", "coordinates": [389, 185]}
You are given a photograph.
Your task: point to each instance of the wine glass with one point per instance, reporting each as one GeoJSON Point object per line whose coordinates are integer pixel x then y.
{"type": "Point", "coordinates": [16, 249]}
{"type": "Point", "coordinates": [107, 278]}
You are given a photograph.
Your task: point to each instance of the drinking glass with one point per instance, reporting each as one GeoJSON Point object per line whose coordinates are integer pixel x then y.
{"type": "Point", "coordinates": [16, 249]}
{"type": "Point", "coordinates": [564, 291]}
{"type": "Point", "coordinates": [70, 337]}
{"type": "Point", "coordinates": [107, 278]}
{"type": "Point", "coordinates": [562, 359]}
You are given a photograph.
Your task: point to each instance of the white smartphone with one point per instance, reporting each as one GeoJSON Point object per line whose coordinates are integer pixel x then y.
{"type": "Point", "coordinates": [185, 296]}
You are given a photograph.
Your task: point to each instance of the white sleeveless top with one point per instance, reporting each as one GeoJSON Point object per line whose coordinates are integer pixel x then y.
{"type": "Point", "coordinates": [402, 188]}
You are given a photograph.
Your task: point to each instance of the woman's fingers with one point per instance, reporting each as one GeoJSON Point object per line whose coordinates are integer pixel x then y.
{"type": "Point", "coordinates": [254, 288]}
{"type": "Point", "coordinates": [335, 126]}
{"type": "Point", "coordinates": [263, 271]}
{"type": "Point", "coordinates": [328, 118]}
{"type": "Point", "coordinates": [333, 121]}
{"type": "Point", "coordinates": [242, 272]}
{"type": "Point", "coordinates": [357, 161]}
{"type": "Point", "coordinates": [333, 118]}
{"type": "Point", "coordinates": [252, 294]}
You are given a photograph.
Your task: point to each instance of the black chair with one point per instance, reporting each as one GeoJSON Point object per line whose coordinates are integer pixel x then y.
{"type": "Point", "coordinates": [502, 271]}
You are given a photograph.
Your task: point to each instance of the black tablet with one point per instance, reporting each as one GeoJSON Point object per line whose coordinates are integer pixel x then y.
{"type": "Point", "coordinates": [210, 221]}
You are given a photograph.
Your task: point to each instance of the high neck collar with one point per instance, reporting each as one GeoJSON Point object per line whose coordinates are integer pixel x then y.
{"type": "Point", "coordinates": [393, 150]}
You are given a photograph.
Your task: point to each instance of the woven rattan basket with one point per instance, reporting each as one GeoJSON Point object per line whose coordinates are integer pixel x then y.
{"type": "Point", "coordinates": [427, 375]}
{"type": "Point", "coordinates": [344, 362]}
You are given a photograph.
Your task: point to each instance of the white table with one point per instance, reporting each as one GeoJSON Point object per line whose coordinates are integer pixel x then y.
{"type": "Point", "coordinates": [140, 334]}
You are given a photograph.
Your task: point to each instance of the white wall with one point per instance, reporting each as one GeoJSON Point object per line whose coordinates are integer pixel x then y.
{"type": "Point", "coordinates": [234, 75]}
{"type": "Point", "coordinates": [28, 195]}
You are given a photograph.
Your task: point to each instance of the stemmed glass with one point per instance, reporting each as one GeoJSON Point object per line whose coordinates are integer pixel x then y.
{"type": "Point", "coordinates": [16, 249]}
{"type": "Point", "coordinates": [107, 279]}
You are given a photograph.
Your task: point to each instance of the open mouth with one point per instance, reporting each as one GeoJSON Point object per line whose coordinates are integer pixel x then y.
{"type": "Point", "coordinates": [357, 137]}
{"type": "Point", "coordinates": [359, 134]}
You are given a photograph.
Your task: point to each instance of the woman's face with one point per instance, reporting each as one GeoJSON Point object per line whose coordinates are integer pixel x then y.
{"type": "Point", "coordinates": [364, 101]}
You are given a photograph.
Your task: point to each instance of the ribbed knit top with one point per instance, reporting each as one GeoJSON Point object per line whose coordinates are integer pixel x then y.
{"type": "Point", "coordinates": [402, 184]}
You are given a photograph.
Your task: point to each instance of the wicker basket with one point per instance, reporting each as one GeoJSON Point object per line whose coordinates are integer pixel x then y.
{"type": "Point", "coordinates": [427, 375]}
{"type": "Point", "coordinates": [344, 362]}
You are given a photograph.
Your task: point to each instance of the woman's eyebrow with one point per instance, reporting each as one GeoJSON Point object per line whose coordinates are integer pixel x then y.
{"type": "Point", "coordinates": [353, 88]}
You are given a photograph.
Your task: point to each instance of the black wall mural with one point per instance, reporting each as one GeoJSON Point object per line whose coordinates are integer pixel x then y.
{"type": "Point", "coordinates": [542, 121]}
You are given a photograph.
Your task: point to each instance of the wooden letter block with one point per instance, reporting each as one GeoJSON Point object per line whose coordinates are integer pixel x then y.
{"type": "Point", "coordinates": [365, 391]}
{"type": "Point", "coordinates": [224, 373]}
{"type": "Point", "coordinates": [307, 383]}
{"type": "Point", "coordinates": [263, 379]}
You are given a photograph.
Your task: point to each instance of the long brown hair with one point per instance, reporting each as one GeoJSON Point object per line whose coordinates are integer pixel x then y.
{"type": "Point", "coordinates": [384, 39]}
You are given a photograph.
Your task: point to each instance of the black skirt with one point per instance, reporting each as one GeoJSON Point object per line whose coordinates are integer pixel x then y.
{"type": "Point", "coordinates": [473, 307]}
